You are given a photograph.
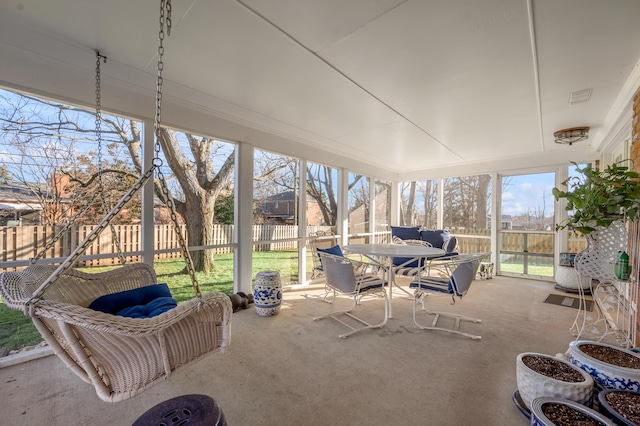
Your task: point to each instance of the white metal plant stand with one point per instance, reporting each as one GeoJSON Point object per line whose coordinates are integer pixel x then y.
{"type": "Point", "coordinates": [613, 319]}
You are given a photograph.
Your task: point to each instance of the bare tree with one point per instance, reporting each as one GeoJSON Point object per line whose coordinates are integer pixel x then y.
{"type": "Point", "coordinates": [408, 203]}
{"type": "Point", "coordinates": [38, 151]}
{"type": "Point", "coordinates": [201, 186]}
{"type": "Point", "coordinates": [465, 201]}
{"type": "Point", "coordinates": [320, 187]}
{"type": "Point", "coordinates": [26, 119]}
{"type": "Point", "coordinates": [430, 196]}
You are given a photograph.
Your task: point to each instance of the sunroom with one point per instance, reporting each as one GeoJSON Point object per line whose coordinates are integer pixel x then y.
{"type": "Point", "coordinates": [341, 117]}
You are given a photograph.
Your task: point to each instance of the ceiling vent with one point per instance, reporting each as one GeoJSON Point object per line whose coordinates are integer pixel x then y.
{"type": "Point", "coordinates": [579, 97]}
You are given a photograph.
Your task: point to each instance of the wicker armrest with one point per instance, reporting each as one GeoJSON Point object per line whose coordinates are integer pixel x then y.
{"type": "Point", "coordinates": [216, 308]}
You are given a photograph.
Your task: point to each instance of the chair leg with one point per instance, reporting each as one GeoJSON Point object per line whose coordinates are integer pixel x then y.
{"type": "Point", "coordinates": [436, 317]}
{"type": "Point", "coordinates": [347, 312]}
{"type": "Point", "coordinates": [325, 298]}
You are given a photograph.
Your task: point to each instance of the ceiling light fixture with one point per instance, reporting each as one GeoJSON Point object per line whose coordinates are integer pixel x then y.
{"type": "Point", "coordinates": [571, 135]}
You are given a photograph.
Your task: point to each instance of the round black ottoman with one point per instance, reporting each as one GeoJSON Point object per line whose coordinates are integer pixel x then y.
{"type": "Point", "coordinates": [192, 410]}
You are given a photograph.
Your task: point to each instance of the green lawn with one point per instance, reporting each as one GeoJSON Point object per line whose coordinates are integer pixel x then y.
{"type": "Point", "coordinates": [538, 270]}
{"type": "Point", "coordinates": [16, 329]}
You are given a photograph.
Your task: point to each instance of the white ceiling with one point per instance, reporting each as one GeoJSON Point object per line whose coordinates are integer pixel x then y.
{"type": "Point", "coordinates": [408, 87]}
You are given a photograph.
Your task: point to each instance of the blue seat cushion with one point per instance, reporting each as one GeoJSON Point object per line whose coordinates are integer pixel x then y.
{"type": "Point", "coordinates": [370, 282]}
{"type": "Point", "coordinates": [457, 285]}
{"type": "Point", "coordinates": [142, 302]}
{"type": "Point", "coordinates": [440, 285]}
{"type": "Point", "coordinates": [416, 263]}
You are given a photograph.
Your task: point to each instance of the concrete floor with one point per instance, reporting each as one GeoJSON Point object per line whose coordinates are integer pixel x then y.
{"type": "Point", "coordinates": [291, 370]}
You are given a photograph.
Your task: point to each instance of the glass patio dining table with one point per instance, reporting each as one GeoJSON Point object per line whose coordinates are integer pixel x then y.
{"type": "Point", "coordinates": [387, 252]}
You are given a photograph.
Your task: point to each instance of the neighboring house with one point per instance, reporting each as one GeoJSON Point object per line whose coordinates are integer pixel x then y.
{"type": "Point", "coordinates": [281, 209]}
{"type": "Point", "coordinates": [19, 206]}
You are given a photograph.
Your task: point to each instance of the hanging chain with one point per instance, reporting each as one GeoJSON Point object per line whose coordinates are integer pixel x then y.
{"type": "Point", "coordinates": [99, 110]}
{"type": "Point", "coordinates": [165, 20]}
{"type": "Point", "coordinates": [91, 237]}
{"type": "Point", "coordinates": [105, 203]}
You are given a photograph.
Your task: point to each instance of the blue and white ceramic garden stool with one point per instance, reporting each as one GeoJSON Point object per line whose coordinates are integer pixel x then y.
{"type": "Point", "coordinates": [267, 293]}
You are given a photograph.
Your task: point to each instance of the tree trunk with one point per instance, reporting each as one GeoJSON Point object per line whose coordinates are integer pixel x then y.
{"type": "Point", "coordinates": [200, 194]}
{"type": "Point", "coordinates": [481, 201]}
{"type": "Point", "coordinates": [200, 231]}
{"type": "Point", "coordinates": [408, 214]}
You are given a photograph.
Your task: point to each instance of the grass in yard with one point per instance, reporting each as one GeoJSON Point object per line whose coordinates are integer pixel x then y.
{"type": "Point", "coordinates": [538, 270]}
{"type": "Point", "coordinates": [285, 262]}
{"type": "Point", "coordinates": [173, 273]}
{"type": "Point", "coordinates": [16, 329]}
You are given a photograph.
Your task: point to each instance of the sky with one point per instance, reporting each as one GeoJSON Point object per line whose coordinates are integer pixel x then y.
{"type": "Point", "coordinates": [528, 193]}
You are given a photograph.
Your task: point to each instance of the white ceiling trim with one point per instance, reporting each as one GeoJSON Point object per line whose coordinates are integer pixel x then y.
{"type": "Point", "coordinates": [536, 71]}
{"type": "Point", "coordinates": [619, 114]}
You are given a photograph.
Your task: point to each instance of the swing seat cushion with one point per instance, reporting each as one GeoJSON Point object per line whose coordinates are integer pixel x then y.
{"type": "Point", "coordinates": [143, 302]}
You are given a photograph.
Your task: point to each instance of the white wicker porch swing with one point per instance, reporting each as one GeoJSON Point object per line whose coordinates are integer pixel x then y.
{"type": "Point", "coordinates": [120, 356]}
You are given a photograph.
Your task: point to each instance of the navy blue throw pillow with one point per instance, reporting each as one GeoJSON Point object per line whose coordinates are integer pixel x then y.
{"type": "Point", "coordinates": [142, 302]}
{"type": "Point", "coordinates": [436, 237]}
{"type": "Point", "coordinates": [406, 232]}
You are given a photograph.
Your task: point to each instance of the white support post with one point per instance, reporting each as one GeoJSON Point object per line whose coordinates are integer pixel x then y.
{"type": "Point", "coordinates": [243, 205]}
{"type": "Point", "coordinates": [440, 209]}
{"type": "Point", "coordinates": [372, 209]}
{"type": "Point", "coordinates": [395, 203]}
{"type": "Point", "coordinates": [562, 237]}
{"type": "Point", "coordinates": [302, 222]}
{"type": "Point", "coordinates": [496, 216]}
{"type": "Point", "coordinates": [342, 223]}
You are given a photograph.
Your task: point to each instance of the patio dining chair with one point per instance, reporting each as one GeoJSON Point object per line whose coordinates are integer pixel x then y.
{"type": "Point", "coordinates": [321, 241]}
{"type": "Point", "coordinates": [450, 275]}
{"type": "Point", "coordinates": [348, 277]}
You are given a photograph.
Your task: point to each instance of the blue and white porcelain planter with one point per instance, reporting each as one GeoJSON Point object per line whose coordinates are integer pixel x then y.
{"type": "Point", "coordinates": [538, 417]}
{"type": "Point", "coordinates": [606, 408]}
{"type": "Point", "coordinates": [605, 375]}
{"type": "Point", "coordinates": [267, 293]}
{"type": "Point", "coordinates": [532, 385]}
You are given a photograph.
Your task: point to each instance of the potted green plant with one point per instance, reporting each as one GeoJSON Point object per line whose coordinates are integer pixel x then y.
{"type": "Point", "coordinates": [600, 197]}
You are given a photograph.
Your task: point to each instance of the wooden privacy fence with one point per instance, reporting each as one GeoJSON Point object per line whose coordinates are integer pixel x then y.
{"type": "Point", "coordinates": [538, 242]}
{"type": "Point", "coordinates": [25, 242]}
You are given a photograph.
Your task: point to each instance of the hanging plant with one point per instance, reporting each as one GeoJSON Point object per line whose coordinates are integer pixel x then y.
{"type": "Point", "coordinates": [599, 197]}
